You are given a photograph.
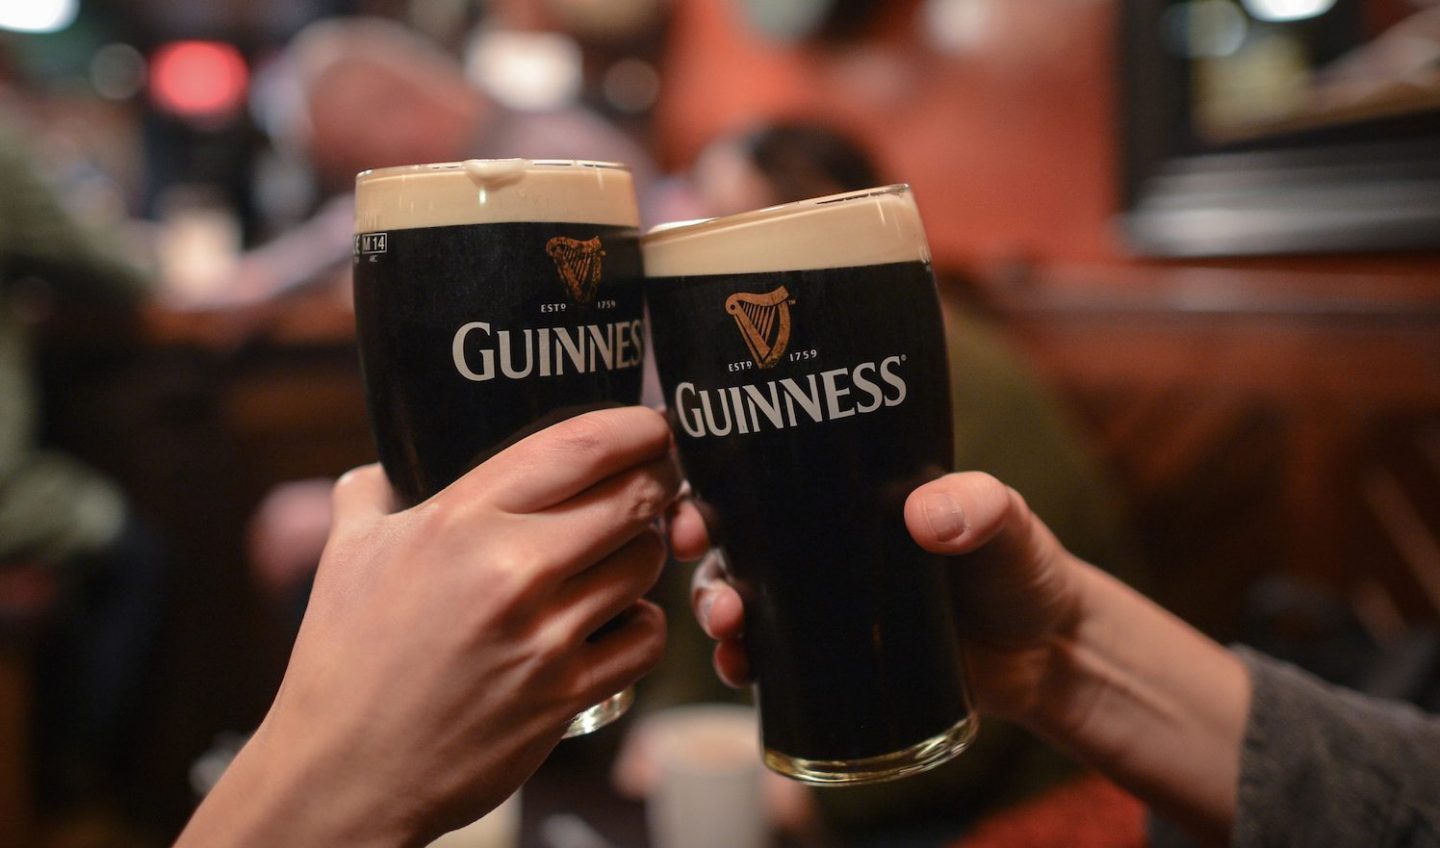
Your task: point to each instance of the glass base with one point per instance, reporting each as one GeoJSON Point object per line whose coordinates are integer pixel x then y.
{"type": "Point", "coordinates": [913, 760]}
{"type": "Point", "coordinates": [601, 714]}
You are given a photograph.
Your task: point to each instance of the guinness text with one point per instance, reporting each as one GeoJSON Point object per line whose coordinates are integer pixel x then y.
{"type": "Point", "coordinates": [483, 354]}
{"type": "Point", "coordinates": [787, 402]}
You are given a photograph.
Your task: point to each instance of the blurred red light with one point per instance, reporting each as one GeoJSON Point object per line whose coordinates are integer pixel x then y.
{"type": "Point", "coordinates": [198, 78]}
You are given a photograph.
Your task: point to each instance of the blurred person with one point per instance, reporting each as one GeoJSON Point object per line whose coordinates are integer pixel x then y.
{"type": "Point", "coordinates": [778, 163]}
{"type": "Point", "coordinates": [60, 518]}
{"type": "Point", "coordinates": [358, 93]}
{"type": "Point", "coordinates": [446, 647]}
{"type": "Point", "coordinates": [1230, 745]}
{"type": "Point", "coordinates": [1006, 422]}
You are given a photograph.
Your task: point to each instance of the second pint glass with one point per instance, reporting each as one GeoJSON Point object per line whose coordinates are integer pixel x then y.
{"type": "Point", "coordinates": [493, 298]}
{"type": "Point", "coordinates": [803, 359]}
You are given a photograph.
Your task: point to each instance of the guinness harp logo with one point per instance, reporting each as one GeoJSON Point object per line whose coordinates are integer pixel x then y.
{"type": "Point", "coordinates": [764, 322]}
{"type": "Point", "coordinates": [578, 264]}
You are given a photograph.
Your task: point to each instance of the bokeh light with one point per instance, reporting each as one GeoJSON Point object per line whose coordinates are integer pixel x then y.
{"type": "Point", "coordinates": [117, 71]}
{"type": "Point", "coordinates": [198, 79]}
{"type": "Point", "coordinates": [38, 15]}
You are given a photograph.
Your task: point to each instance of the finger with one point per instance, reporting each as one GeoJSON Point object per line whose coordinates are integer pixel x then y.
{"type": "Point", "coordinates": [710, 571]}
{"type": "Point", "coordinates": [597, 522]}
{"type": "Point", "coordinates": [565, 459]}
{"type": "Point", "coordinates": [623, 655]}
{"type": "Point", "coordinates": [689, 539]}
{"type": "Point", "coordinates": [1011, 579]}
{"type": "Point", "coordinates": [360, 495]}
{"type": "Point", "coordinates": [720, 612]}
{"type": "Point", "coordinates": [717, 606]}
{"type": "Point", "coordinates": [960, 513]}
{"type": "Point", "coordinates": [732, 664]}
{"type": "Point", "coordinates": [598, 594]}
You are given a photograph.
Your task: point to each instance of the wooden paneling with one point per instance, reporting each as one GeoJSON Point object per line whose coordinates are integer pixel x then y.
{"type": "Point", "coordinates": [1257, 423]}
{"type": "Point", "coordinates": [196, 422]}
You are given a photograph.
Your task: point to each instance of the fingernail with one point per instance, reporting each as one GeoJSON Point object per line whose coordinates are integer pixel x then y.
{"type": "Point", "coordinates": [946, 519]}
{"type": "Point", "coordinates": [706, 603]}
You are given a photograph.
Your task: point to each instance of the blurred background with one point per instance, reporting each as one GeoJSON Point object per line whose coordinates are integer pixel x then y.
{"type": "Point", "coordinates": [1202, 238]}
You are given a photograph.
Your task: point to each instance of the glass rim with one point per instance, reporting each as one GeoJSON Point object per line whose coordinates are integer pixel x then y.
{"type": "Point", "coordinates": [446, 167]}
{"type": "Point", "coordinates": [669, 228]}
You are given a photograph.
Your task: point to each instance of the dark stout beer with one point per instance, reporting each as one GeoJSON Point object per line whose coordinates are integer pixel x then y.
{"type": "Point", "coordinates": [493, 298]}
{"type": "Point", "coordinates": [803, 359]}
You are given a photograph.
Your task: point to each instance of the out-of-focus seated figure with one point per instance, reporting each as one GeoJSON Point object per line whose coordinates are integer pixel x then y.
{"type": "Point", "coordinates": [361, 93]}
{"type": "Point", "coordinates": [779, 163]}
{"type": "Point", "coordinates": [1006, 422]}
{"type": "Point", "coordinates": [60, 518]}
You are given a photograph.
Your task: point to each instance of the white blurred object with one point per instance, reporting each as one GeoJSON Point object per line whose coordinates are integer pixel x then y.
{"type": "Point", "coordinates": [1285, 11]}
{"type": "Point", "coordinates": [38, 15]}
{"type": "Point", "coordinates": [500, 828]}
{"type": "Point", "coordinates": [957, 26]}
{"type": "Point", "coordinates": [566, 830]}
{"type": "Point", "coordinates": [707, 791]}
{"type": "Point", "coordinates": [530, 71]}
{"type": "Point", "coordinates": [210, 766]}
{"type": "Point", "coordinates": [1205, 29]}
{"type": "Point", "coordinates": [198, 246]}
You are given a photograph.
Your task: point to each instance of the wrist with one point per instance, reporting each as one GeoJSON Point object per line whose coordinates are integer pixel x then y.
{"type": "Point", "coordinates": [1133, 691]}
{"type": "Point", "coordinates": [287, 790]}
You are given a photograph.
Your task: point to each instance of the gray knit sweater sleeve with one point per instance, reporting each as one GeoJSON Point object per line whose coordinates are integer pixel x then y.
{"type": "Point", "coordinates": [1323, 765]}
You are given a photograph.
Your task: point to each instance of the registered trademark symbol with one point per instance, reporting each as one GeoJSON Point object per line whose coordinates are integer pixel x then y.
{"type": "Point", "coordinates": [903, 357]}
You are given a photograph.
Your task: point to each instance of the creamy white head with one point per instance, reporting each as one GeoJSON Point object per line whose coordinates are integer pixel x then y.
{"type": "Point", "coordinates": [870, 227]}
{"type": "Point", "coordinates": [492, 191]}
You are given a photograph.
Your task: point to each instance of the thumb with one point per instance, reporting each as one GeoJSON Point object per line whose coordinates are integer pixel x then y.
{"type": "Point", "coordinates": [1016, 582]}
{"type": "Point", "coordinates": [361, 494]}
{"type": "Point", "coordinates": [960, 512]}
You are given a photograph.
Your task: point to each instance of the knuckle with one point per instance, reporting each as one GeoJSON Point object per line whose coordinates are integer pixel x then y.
{"type": "Point", "coordinates": [516, 582]}
{"type": "Point", "coordinates": [347, 481]}
{"type": "Point", "coordinates": [986, 484]}
{"type": "Point", "coordinates": [648, 496]}
{"type": "Point", "coordinates": [1018, 507]}
{"type": "Point", "coordinates": [992, 494]}
{"type": "Point", "coordinates": [508, 591]}
{"type": "Point", "coordinates": [434, 519]}
{"type": "Point", "coordinates": [655, 428]}
{"type": "Point", "coordinates": [553, 648]}
{"type": "Point", "coordinates": [356, 475]}
{"type": "Point", "coordinates": [582, 436]}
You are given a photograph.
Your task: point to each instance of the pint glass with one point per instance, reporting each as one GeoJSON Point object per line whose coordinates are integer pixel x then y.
{"type": "Point", "coordinates": [802, 354]}
{"type": "Point", "coordinates": [493, 298]}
